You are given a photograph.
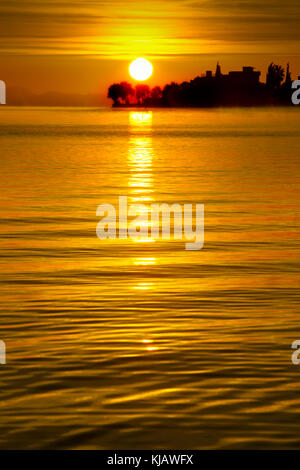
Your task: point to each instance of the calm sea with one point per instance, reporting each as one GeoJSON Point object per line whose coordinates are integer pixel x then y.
{"type": "Point", "coordinates": [124, 344]}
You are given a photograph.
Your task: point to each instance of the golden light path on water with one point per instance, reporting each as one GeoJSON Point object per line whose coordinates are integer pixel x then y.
{"type": "Point", "coordinates": [140, 156]}
{"type": "Point", "coordinates": [140, 183]}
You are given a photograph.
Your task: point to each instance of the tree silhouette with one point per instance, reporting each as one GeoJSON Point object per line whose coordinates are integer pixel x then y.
{"type": "Point", "coordinates": [127, 91]}
{"type": "Point", "coordinates": [156, 93]}
{"type": "Point", "coordinates": [284, 94]}
{"type": "Point", "coordinates": [288, 78]}
{"type": "Point", "coordinates": [275, 76]}
{"type": "Point", "coordinates": [115, 93]}
{"type": "Point", "coordinates": [141, 93]}
{"type": "Point", "coordinates": [171, 94]}
{"type": "Point", "coordinates": [120, 91]}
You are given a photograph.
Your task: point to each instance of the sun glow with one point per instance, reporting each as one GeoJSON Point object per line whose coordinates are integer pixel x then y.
{"type": "Point", "coordinates": [140, 69]}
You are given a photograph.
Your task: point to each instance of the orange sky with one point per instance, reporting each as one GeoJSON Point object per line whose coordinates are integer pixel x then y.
{"type": "Point", "coordinates": [81, 46]}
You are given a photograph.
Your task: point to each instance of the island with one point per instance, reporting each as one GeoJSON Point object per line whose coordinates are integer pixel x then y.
{"type": "Point", "coordinates": [237, 88]}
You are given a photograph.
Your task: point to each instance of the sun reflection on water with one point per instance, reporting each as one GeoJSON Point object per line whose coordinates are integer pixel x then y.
{"type": "Point", "coordinates": [144, 261]}
{"type": "Point", "coordinates": [140, 155]}
{"type": "Point", "coordinates": [140, 182]}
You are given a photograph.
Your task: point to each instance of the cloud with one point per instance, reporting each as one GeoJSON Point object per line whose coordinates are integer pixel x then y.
{"type": "Point", "coordinates": [157, 27]}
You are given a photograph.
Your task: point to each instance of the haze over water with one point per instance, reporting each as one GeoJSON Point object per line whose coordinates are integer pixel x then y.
{"type": "Point", "coordinates": [122, 344]}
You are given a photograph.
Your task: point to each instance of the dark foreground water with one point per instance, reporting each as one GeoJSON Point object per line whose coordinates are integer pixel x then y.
{"type": "Point", "coordinates": [124, 344]}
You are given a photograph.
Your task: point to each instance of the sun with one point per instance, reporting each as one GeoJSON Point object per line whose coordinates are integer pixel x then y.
{"type": "Point", "coordinates": [140, 69]}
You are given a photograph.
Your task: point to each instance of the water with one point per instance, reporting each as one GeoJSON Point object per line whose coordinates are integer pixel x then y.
{"type": "Point", "coordinates": [119, 344]}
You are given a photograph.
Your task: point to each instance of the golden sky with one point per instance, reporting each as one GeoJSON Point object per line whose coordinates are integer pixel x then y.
{"type": "Point", "coordinates": [84, 45]}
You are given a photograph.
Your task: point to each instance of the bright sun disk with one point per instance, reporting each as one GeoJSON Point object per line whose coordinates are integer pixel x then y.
{"type": "Point", "coordinates": [140, 69]}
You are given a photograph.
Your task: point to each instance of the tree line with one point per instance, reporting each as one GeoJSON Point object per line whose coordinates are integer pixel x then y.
{"type": "Point", "coordinates": [209, 91]}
